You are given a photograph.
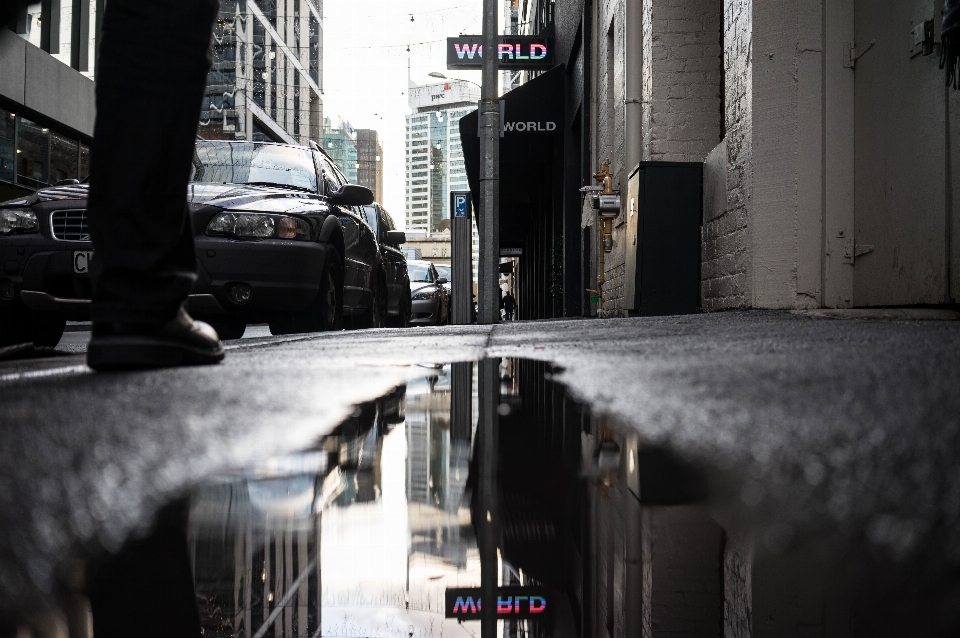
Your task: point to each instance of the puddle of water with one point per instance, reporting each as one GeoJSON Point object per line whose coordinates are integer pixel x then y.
{"type": "Point", "coordinates": [489, 476]}
{"type": "Point", "coordinates": [360, 536]}
{"type": "Point", "coordinates": [377, 529]}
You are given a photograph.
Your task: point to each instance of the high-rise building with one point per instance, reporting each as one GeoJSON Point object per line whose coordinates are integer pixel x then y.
{"type": "Point", "coordinates": [511, 78]}
{"type": "Point", "coordinates": [47, 106]}
{"type": "Point", "coordinates": [265, 83]}
{"type": "Point", "coordinates": [434, 155]}
{"type": "Point", "coordinates": [370, 162]}
{"type": "Point", "coordinates": [267, 75]}
{"type": "Point", "coordinates": [340, 143]}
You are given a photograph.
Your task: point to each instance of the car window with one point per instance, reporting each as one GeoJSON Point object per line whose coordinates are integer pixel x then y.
{"type": "Point", "coordinates": [330, 175]}
{"type": "Point", "coordinates": [371, 215]}
{"type": "Point", "coordinates": [387, 220]}
{"type": "Point", "coordinates": [343, 180]}
{"type": "Point", "coordinates": [444, 271]}
{"type": "Point", "coordinates": [420, 272]}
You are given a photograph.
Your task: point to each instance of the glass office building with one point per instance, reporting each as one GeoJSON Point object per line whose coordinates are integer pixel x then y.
{"type": "Point", "coordinates": [434, 155]}
{"type": "Point", "coordinates": [340, 143]}
{"type": "Point", "coordinates": [33, 155]}
{"type": "Point", "coordinates": [265, 84]}
{"type": "Point", "coordinates": [267, 75]}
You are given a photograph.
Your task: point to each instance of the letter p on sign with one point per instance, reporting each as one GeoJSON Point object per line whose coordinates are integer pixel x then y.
{"type": "Point", "coordinates": [460, 206]}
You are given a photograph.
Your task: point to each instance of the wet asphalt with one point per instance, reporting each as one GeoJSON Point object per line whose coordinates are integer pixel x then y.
{"type": "Point", "coordinates": [809, 425]}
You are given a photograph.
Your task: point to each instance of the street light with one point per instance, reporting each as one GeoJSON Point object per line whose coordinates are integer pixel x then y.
{"type": "Point", "coordinates": [441, 76]}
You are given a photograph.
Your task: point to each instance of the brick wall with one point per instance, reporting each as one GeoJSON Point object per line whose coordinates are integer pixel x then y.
{"type": "Point", "coordinates": [687, 597]}
{"type": "Point", "coordinates": [681, 98]}
{"type": "Point", "coordinates": [725, 256]}
{"type": "Point", "coordinates": [737, 585]}
{"type": "Point", "coordinates": [686, 74]}
{"type": "Point", "coordinates": [611, 136]}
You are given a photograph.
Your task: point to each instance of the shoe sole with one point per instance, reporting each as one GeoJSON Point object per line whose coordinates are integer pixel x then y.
{"type": "Point", "coordinates": [142, 353]}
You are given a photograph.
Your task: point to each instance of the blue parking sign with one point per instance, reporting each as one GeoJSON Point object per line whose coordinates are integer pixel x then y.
{"type": "Point", "coordinates": [461, 205]}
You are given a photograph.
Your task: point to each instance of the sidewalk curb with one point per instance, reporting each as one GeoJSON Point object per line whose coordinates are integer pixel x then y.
{"type": "Point", "coordinates": [882, 314]}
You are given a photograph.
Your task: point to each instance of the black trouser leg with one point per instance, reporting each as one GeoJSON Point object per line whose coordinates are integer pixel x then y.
{"type": "Point", "coordinates": [151, 76]}
{"type": "Point", "coordinates": [147, 589]}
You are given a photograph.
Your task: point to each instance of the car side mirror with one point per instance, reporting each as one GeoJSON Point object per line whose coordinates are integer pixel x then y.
{"type": "Point", "coordinates": [351, 195]}
{"type": "Point", "coordinates": [441, 280]}
{"type": "Point", "coordinates": [395, 237]}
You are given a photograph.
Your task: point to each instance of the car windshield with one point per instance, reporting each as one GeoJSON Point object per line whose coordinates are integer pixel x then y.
{"type": "Point", "coordinates": [253, 163]}
{"type": "Point", "coordinates": [420, 272]}
{"type": "Point", "coordinates": [443, 271]}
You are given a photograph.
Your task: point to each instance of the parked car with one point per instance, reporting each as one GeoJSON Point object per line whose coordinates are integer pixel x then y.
{"type": "Point", "coordinates": [446, 272]}
{"type": "Point", "coordinates": [431, 304]}
{"type": "Point", "coordinates": [394, 264]}
{"type": "Point", "coordinates": [281, 237]}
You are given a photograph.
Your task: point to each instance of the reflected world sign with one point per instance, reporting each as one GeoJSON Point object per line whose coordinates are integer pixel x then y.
{"type": "Point", "coordinates": [516, 52]}
{"type": "Point", "coordinates": [464, 603]}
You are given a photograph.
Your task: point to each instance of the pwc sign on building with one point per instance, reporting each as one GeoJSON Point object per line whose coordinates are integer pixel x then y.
{"type": "Point", "coordinates": [512, 602]}
{"type": "Point", "coordinates": [515, 52]}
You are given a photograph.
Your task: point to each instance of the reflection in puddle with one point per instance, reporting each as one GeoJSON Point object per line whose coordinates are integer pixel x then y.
{"type": "Point", "coordinates": [490, 473]}
{"type": "Point", "coordinates": [359, 536]}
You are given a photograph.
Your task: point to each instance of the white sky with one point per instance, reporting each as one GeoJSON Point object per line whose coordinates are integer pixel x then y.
{"type": "Point", "coordinates": [365, 67]}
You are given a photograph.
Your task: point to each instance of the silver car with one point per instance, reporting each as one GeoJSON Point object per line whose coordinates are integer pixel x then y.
{"type": "Point", "coordinates": [429, 298]}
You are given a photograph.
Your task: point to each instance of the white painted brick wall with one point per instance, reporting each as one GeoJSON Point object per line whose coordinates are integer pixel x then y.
{"type": "Point", "coordinates": [685, 79]}
{"type": "Point", "coordinates": [737, 585]}
{"type": "Point", "coordinates": [725, 251]}
{"type": "Point", "coordinates": [681, 101]}
{"type": "Point", "coordinates": [611, 14]}
{"type": "Point", "coordinates": [687, 593]}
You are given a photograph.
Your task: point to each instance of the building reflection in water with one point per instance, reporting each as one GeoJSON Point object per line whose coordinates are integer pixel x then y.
{"type": "Point", "coordinates": [359, 536]}
{"type": "Point", "coordinates": [362, 534]}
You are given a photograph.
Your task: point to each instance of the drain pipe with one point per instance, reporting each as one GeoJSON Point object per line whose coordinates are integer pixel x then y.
{"type": "Point", "coordinates": [633, 89]}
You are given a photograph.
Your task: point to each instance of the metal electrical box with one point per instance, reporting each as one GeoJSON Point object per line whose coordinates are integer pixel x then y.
{"type": "Point", "coordinates": [663, 217]}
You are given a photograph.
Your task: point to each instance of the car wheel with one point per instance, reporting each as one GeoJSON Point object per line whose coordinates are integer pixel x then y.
{"type": "Point", "coordinates": [12, 327]}
{"type": "Point", "coordinates": [326, 311]}
{"type": "Point", "coordinates": [282, 325]}
{"type": "Point", "coordinates": [402, 320]}
{"type": "Point", "coordinates": [376, 314]}
{"type": "Point", "coordinates": [19, 325]}
{"type": "Point", "coordinates": [47, 331]}
{"type": "Point", "coordinates": [229, 329]}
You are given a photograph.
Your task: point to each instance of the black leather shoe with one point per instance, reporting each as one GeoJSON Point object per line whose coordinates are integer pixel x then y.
{"type": "Point", "coordinates": [180, 342]}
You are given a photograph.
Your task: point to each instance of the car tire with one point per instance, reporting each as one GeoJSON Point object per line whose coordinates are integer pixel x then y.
{"type": "Point", "coordinates": [376, 315]}
{"type": "Point", "coordinates": [12, 327]}
{"type": "Point", "coordinates": [19, 325]}
{"type": "Point", "coordinates": [228, 330]}
{"type": "Point", "coordinates": [402, 320]}
{"type": "Point", "coordinates": [47, 331]}
{"type": "Point", "coordinates": [282, 325]}
{"type": "Point", "coordinates": [326, 311]}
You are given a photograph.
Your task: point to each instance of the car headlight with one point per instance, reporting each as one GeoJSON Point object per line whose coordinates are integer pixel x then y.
{"type": "Point", "coordinates": [259, 225]}
{"type": "Point", "coordinates": [424, 296]}
{"type": "Point", "coordinates": [17, 220]}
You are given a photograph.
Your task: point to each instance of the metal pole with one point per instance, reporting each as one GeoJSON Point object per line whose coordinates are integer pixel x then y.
{"type": "Point", "coordinates": [489, 217]}
{"type": "Point", "coordinates": [487, 444]}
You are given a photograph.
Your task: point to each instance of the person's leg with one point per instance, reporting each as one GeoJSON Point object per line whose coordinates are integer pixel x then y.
{"type": "Point", "coordinates": [151, 76]}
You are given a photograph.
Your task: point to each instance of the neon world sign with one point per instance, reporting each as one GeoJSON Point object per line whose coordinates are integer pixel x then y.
{"type": "Point", "coordinates": [514, 51]}
{"type": "Point", "coordinates": [512, 602]}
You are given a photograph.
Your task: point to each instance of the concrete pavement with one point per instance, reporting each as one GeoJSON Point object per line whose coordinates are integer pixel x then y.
{"type": "Point", "coordinates": [813, 425]}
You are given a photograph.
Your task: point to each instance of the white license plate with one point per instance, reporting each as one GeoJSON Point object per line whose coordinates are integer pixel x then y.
{"type": "Point", "coordinates": [81, 261]}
